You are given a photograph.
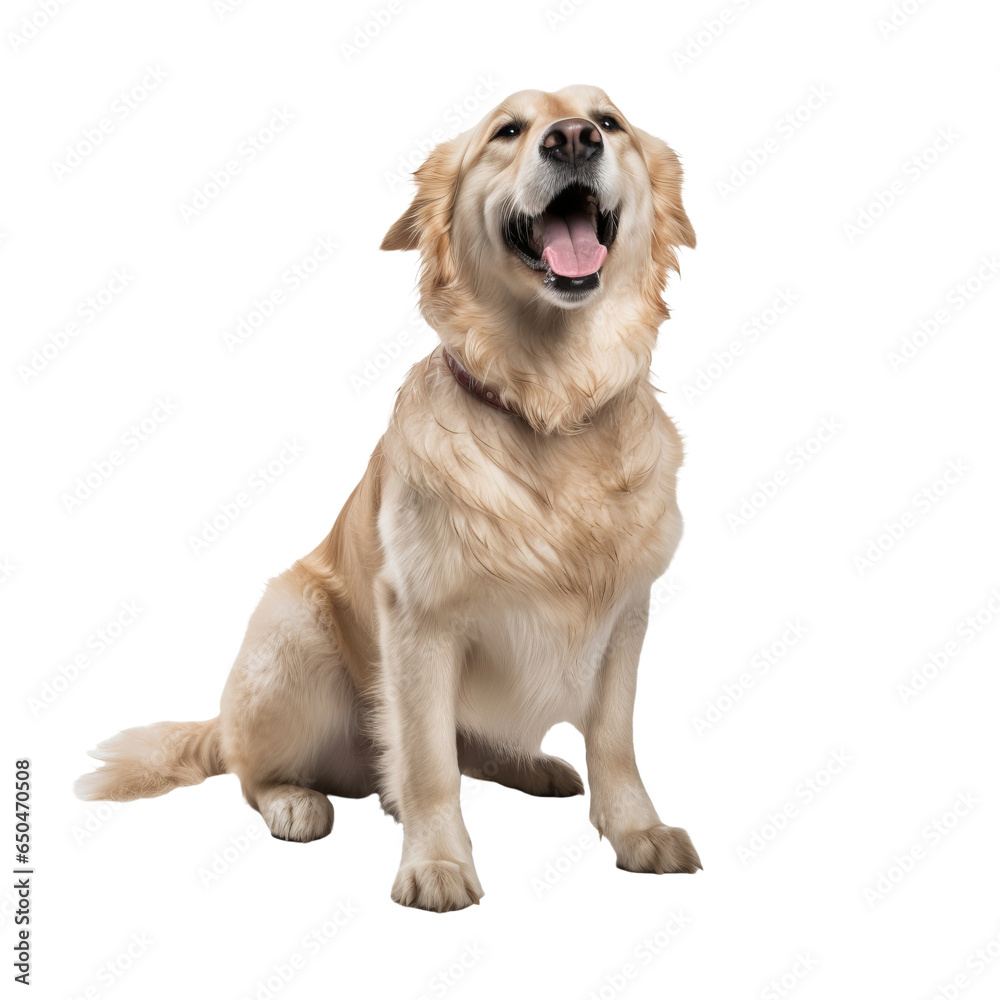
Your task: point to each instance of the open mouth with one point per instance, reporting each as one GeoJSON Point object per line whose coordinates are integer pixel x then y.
{"type": "Point", "coordinates": [568, 241]}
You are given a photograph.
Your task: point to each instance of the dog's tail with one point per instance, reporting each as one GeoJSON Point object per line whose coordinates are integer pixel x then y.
{"type": "Point", "coordinates": [153, 760]}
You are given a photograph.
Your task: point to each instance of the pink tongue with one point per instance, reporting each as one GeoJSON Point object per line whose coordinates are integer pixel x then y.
{"type": "Point", "coordinates": [571, 245]}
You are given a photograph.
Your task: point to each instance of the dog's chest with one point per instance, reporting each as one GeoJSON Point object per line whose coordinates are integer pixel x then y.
{"type": "Point", "coordinates": [533, 549]}
{"type": "Point", "coordinates": [581, 515]}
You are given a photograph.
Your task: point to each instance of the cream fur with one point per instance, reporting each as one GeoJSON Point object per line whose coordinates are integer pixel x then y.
{"type": "Point", "coordinates": [489, 577]}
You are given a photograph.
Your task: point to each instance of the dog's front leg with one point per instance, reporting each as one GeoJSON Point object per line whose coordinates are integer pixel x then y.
{"type": "Point", "coordinates": [421, 663]}
{"type": "Point", "coordinates": [620, 808]}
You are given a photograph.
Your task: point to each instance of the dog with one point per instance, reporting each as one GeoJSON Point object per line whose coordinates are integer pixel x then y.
{"type": "Point", "coordinates": [490, 575]}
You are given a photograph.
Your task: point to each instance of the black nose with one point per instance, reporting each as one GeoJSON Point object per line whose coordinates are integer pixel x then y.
{"type": "Point", "coordinates": [572, 141]}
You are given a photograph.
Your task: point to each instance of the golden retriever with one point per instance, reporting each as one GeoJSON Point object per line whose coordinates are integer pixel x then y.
{"type": "Point", "coordinates": [490, 574]}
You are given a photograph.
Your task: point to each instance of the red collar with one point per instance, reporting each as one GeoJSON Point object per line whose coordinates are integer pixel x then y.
{"type": "Point", "coordinates": [487, 393]}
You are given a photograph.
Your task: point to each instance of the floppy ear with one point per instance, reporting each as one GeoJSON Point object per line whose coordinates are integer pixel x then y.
{"type": "Point", "coordinates": [426, 224]}
{"type": "Point", "coordinates": [402, 233]}
{"type": "Point", "coordinates": [672, 228]}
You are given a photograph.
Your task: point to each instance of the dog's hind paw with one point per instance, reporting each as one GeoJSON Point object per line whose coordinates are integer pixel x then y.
{"type": "Point", "coordinates": [294, 813]}
{"type": "Point", "coordinates": [547, 775]}
{"type": "Point", "coordinates": [538, 775]}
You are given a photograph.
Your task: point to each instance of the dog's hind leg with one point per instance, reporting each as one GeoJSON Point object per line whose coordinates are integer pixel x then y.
{"type": "Point", "coordinates": [292, 722]}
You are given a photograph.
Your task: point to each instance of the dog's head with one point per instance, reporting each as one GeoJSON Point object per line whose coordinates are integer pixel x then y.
{"type": "Point", "coordinates": [556, 196]}
{"type": "Point", "coordinates": [554, 213]}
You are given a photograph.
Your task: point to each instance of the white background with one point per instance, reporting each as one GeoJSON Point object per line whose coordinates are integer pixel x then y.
{"type": "Point", "coordinates": [821, 907]}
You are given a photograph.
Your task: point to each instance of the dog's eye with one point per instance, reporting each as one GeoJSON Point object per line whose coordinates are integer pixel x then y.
{"type": "Point", "coordinates": [507, 131]}
{"type": "Point", "coordinates": [609, 124]}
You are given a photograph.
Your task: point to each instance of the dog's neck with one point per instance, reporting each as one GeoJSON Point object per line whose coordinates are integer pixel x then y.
{"type": "Point", "coordinates": [556, 371]}
{"type": "Point", "coordinates": [487, 393]}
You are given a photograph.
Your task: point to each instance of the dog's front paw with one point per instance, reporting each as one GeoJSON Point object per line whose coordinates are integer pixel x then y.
{"type": "Point", "coordinates": [658, 850]}
{"type": "Point", "coordinates": [437, 885]}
